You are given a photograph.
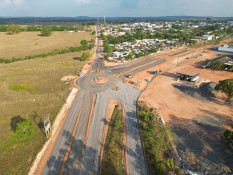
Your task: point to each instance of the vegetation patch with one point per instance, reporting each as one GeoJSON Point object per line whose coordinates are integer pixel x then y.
{"type": "Point", "coordinates": [47, 93]}
{"type": "Point", "coordinates": [156, 142]}
{"type": "Point", "coordinates": [23, 86]}
{"type": "Point", "coordinates": [226, 86]}
{"type": "Point", "coordinates": [113, 149]}
{"type": "Point", "coordinates": [84, 46]}
{"type": "Point", "coordinates": [228, 135]}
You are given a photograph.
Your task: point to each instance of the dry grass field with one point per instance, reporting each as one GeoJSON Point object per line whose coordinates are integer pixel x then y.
{"type": "Point", "coordinates": [33, 88]}
{"type": "Point", "coordinates": [31, 43]}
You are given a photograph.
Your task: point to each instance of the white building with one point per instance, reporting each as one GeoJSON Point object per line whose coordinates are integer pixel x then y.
{"type": "Point", "coordinates": [207, 37]}
{"type": "Point", "coordinates": [117, 54]}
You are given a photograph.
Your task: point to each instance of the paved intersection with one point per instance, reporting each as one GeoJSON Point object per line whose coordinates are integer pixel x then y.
{"type": "Point", "coordinates": [84, 158]}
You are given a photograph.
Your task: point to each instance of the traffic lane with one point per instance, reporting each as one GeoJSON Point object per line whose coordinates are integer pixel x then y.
{"type": "Point", "coordinates": [128, 96]}
{"type": "Point", "coordinates": [129, 63]}
{"type": "Point", "coordinates": [74, 159]}
{"type": "Point", "coordinates": [134, 64]}
{"type": "Point", "coordinates": [90, 161]}
{"type": "Point", "coordinates": [56, 157]}
{"type": "Point", "coordinates": [88, 82]}
{"type": "Point", "coordinates": [135, 152]}
{"type": "Point", "coordinates": [144, 67]}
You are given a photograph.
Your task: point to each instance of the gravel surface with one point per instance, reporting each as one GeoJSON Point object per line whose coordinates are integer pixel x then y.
{"type": "Point", "coordinates": [204, 92]}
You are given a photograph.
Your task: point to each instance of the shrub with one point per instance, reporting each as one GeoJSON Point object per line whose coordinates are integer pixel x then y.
{"type": "Point", "coordinates": [12, 29]}
{"type": "Point", "coordinates": [93, 32]}
{"type": "Point", "coordinates": [85, 56]}
{"type": "Point", "coordinates": [170, 163]}
{"type": "Point", "coordinates": [25, 131]}
{"type": "Point", "coordinates": [46, 31]}
{"type": "Point", "coordinates": [228, 136]}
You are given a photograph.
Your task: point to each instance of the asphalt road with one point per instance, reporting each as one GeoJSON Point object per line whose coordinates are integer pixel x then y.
{"type": "Point", "coordinates": [54, 162]}
{"type": "Point", "coordinates": [132, 65]}
{"type": "Point", "coordinates": [73, 162]}
{"type": "Point", "coordinates": [144, 68]}
{"type": "Point", "coordinates": [93, 146]}
{"type": "Point", "coordinates": [87, 162]}
{"type": "Point", "coordinates": [128, 96]}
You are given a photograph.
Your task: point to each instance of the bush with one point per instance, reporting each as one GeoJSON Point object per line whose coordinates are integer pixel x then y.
{"type": "Point", "coordinates": [85, 56]}
{"type": "Point", "coordinates": [46, 31]}
{"type": "Point", "coordinates": [12, 29]}
{"type": "Point", "coordinates": [25, 131]}
{"type": "Point", "coordinates": [93, 32]}
{"type": "Point", "coordinates": [129, 57]}
{"type": "Point", "coordinates": [156, 141]}
{"type": "Point", "coordinates": [170, 163]}
{"type": "Point", "coordinates": [228, 136]}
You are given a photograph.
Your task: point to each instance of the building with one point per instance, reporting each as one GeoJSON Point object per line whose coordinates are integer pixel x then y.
{"type": "Point", "coordinates": [226, 60]}
{"type": "Point", "coordinates": [188, 75]}
{"type": "Point", "coordinates": [230, 23]}
{"type": "Point", "coordinates": [117, 54]}
{"type": "Point", "coordinates": [224, 48]}
{"type": "Point", "coordinates": [207, 37]}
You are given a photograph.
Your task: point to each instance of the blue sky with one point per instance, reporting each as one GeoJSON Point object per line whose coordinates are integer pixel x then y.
{"type": "Point", "coordinates": [71, 8]}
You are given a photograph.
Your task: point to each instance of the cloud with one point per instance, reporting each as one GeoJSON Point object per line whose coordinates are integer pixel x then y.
{"type": "Point", "coordinates": [19, 4]}
{"type": "Point", "coordinates": [85, 2]}
{"type": "Point", "coordinates": [133, 4]}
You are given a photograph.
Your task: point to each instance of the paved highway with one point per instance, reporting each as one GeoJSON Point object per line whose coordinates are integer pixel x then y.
{"type": "Point", "coordinates": [83, 158]}
{"type": "Point", "coordinates": [57, 155]}
{"type": "Point", "coordinates": [73, 162]}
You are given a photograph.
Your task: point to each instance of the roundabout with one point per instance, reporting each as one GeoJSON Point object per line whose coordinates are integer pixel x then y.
{"type": "Point", "coordinates": [98, 82]}
{"type": "Point", "coordinates": [101, 80]}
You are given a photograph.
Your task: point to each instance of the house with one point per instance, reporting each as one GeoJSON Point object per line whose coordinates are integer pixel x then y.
{"type": "Point", "coordinates": [207, 37]}
{"type": "Point", "coordinates": [117, 54]}
{"type": "Point", "coordinates": [224, 48]}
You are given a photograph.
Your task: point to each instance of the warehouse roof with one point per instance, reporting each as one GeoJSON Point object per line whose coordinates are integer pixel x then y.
{"type": "Point", "coordinates": [188, 73]}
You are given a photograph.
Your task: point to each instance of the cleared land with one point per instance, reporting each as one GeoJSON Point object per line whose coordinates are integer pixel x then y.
{"type": "Point", "coordinates": [32, 43]}
{"type": "Point", "coordinates": [195, 114]}
{"type": "Point", "coordinates": [31, 89]}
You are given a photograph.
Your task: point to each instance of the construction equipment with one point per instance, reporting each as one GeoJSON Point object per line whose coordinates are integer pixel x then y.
{"type": "Point", "coordinates": [154, 72]}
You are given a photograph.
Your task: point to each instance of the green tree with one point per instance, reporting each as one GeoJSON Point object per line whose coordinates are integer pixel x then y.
{"type": "Point", "coordinates": [85, 56]}
{"type": "Point", "coordinates": [46, 31]}
{"type": "Point", "coordinates": [25, 130]}
{"type": "Point", "coordinates": [84, 43]}
{"type": "Point", "coordinates": [93, 32]}
{"type": "Point", "coordinates": [216, 65]}
{"type": "Point", "coordinates": [129, 57]}
{"type": "Point", "coordinates": [154, 50]}
{"type": "Point", "coordinates": [228, 136]}
{"type": "Point", "coordinates": [92, 41]}
{"type": "Point", "coordinates": [12, 29]}
{"type": "Point", "coordinates": [226, 86]}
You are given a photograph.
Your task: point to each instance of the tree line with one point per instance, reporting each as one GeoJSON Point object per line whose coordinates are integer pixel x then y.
{"type": "Point", "coordinates": [7, 28]}
{"type": "Point", "coordinates": [85, 45]}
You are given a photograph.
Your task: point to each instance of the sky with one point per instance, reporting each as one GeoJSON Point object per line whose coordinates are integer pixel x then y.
{"type": "Point", "coordinates": [115, 8]}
